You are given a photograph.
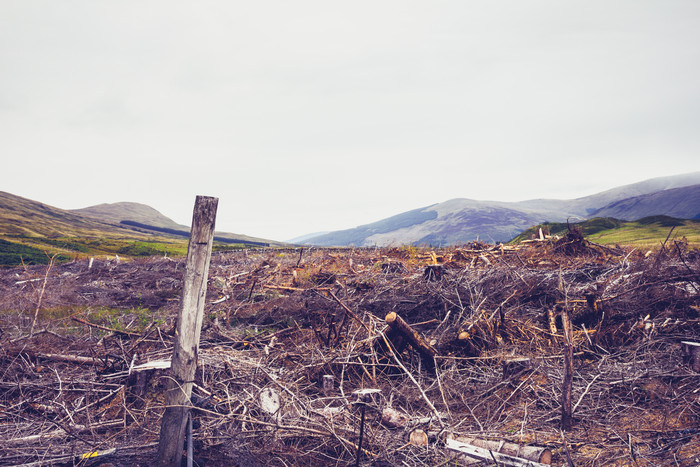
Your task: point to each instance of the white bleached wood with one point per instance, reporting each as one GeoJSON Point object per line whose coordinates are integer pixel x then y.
{"type": "Point", "coordinates": [187, 332]}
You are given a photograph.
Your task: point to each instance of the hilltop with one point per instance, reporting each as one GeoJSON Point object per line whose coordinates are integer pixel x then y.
{"type": "Point", "coordinates": [461, 220]}
{"type": "Point", "coordinates": [31, 232]}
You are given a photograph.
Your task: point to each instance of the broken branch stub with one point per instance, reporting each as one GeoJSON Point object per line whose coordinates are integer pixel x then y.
{"type": "Point", "coordinates": [397, 324]}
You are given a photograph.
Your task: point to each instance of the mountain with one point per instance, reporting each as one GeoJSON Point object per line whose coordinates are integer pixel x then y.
{"type": "Point", "coordinates": [22, 217]}
{"type": "Point", "coordinates": [145, 218]}
{"type": "Point", "coordinates": [463, 220]}
{"type": "Point", "coordinates": [683, 203]}
{"type": "Point", "coordinates": [303, 238]}
{"type": "Point", "coordinates": [117, 212]}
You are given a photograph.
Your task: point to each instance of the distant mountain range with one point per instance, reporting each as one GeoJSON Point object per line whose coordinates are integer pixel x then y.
{"type": "Point", "coordinates": [463, 220]}
{"type": "Point", "coordinates": [24, 217]}
{"type": "Point", "coordinates": [452, 222]}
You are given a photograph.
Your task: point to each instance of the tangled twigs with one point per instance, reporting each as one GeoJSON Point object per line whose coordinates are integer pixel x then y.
{"type": "Point", "coordinates": [320, 317]}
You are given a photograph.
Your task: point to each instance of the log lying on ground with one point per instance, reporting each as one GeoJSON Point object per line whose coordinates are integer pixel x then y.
{"type": "Point", "coordinates": [417, 342]}
{"type": "Point", "coordinates": [62, 432]}
{"type": "Point", "coordinates": [502, 451]}
{"type": "Point", "coordinates": [392, 418]}
{"type": "Point", "coordinates": [65, 358]}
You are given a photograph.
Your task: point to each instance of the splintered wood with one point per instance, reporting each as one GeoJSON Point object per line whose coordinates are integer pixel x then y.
{"type": "Point", "coordinates": [472, 355]}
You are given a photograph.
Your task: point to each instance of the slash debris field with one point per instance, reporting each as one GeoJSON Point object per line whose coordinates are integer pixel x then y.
{"type": "Point", "coordinates": [292, 337]}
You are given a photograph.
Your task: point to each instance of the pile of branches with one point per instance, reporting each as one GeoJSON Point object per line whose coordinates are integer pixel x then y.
{"type": "Point", "coordinates": [302, 361]}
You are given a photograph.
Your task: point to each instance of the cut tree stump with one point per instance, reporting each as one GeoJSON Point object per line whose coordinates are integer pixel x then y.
{"type": "Point", "coordinates": [691, 355]}
{"type": "Point", "coordinates": [434, 272]}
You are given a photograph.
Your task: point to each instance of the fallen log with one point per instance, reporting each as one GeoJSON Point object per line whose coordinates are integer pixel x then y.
{"type": "Point", "coordinates": [71, 459]}
{"type": "Point", "coordinates": [62, 432]}
{"type": "Point", "coordinates": [502, 451]}
{"type": "Point", "coordinates": [392, 418]}
{"type": "Point", "coordinates": [65, 358]}
{"type": "Point", "coordinates": [397, 324]}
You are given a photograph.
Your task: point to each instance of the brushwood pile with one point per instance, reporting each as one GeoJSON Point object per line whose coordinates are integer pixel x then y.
{"type": "Point", "coordinates": [298, 356]}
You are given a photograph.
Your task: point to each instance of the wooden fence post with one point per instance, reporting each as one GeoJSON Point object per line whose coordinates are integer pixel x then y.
{"type": "Point", "coordinates": [566, 411]}
{"type": "Point", "coordinates": [189, 326]}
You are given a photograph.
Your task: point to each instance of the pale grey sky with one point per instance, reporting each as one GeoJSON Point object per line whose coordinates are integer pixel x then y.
{"type": "Point", "coordinates": [322, 115]}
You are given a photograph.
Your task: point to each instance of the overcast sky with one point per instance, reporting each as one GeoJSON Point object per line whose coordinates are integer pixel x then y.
{"type": "Point", "coordinates": [304, 116]}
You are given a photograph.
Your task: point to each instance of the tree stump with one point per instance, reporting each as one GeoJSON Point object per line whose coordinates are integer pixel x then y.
{"type": "Point", "coordinates": [691, 355]}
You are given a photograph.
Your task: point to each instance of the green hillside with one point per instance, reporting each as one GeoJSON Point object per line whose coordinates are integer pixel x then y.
{"type": "Point", "coordinates": [33, 232]}
{"type": "Point", "coordinates": [648, 231]}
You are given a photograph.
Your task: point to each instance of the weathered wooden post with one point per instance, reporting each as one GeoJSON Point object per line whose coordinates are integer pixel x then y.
{"type": "Point", "coordinates": [566, 411]}
{"type": "Point", "coordinates": [189, 325]}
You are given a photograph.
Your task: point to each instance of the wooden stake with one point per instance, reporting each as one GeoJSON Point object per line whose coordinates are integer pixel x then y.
{"type": "Point", "coordinates": [566, 415]}
{"type": "Point", "coordinates": [189, 326]}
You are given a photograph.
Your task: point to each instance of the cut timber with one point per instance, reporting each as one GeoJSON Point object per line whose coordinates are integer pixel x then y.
{"type": "Point", "coordinates": [418, 438]}
{"type": "Point", "coordinates": [417, 342]}
{"type": "Point", "coordinates": [392, 418]}
{"type": "Point", "coordinates": [63, 432]}
{"type": "Point", "coordinates": [503, 452]}
{"type": "Point", "coordinates": [65, 358]}
{"type": "Point", "coordinates": [691, 354]}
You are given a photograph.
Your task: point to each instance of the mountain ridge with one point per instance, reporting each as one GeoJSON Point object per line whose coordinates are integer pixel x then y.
{"type": "Point", "coordinates": [21, 216]}
{"type": "Point", "coordinates": [461, 220]}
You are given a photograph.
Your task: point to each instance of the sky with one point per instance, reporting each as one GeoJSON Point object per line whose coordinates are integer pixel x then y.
{"type": "Point", "coordinates": [305, 116]}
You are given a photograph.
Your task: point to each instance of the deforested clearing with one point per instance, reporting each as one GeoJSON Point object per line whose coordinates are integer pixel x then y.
{"type": "Point", "coordinates": [391, 356]}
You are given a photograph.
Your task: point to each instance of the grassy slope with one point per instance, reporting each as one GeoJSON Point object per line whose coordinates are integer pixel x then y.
{"type": "Point", "coordinates": [649, 231]}
{"type": "Point", "coordinates": [147, 216]}
{"type": "Point", "coordinates": [32, 232]}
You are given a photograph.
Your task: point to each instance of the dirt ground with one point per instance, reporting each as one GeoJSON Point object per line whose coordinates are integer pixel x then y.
{"type": "Point", "coordinates": [88, 375]}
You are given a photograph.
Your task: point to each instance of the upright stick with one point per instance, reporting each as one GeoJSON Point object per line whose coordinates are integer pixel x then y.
{"type": "Point", "coordinates": [566, 412]}
{"type": "Point", "coordinates": [189, 326]}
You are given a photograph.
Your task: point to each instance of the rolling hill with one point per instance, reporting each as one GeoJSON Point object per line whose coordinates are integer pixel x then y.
{"type": "Point", "coordinates": [141, 217]}
{"type": "Point", "coordinates": [463, 220]}
{"type": "Point", "coordinates": [31, 231]}
{"type": "Point", "coordinates": [647, 232]}
{"type": "Point", "coordinates": [683, 203]}
{"type": "Point", "coordinates": [24, 217]}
